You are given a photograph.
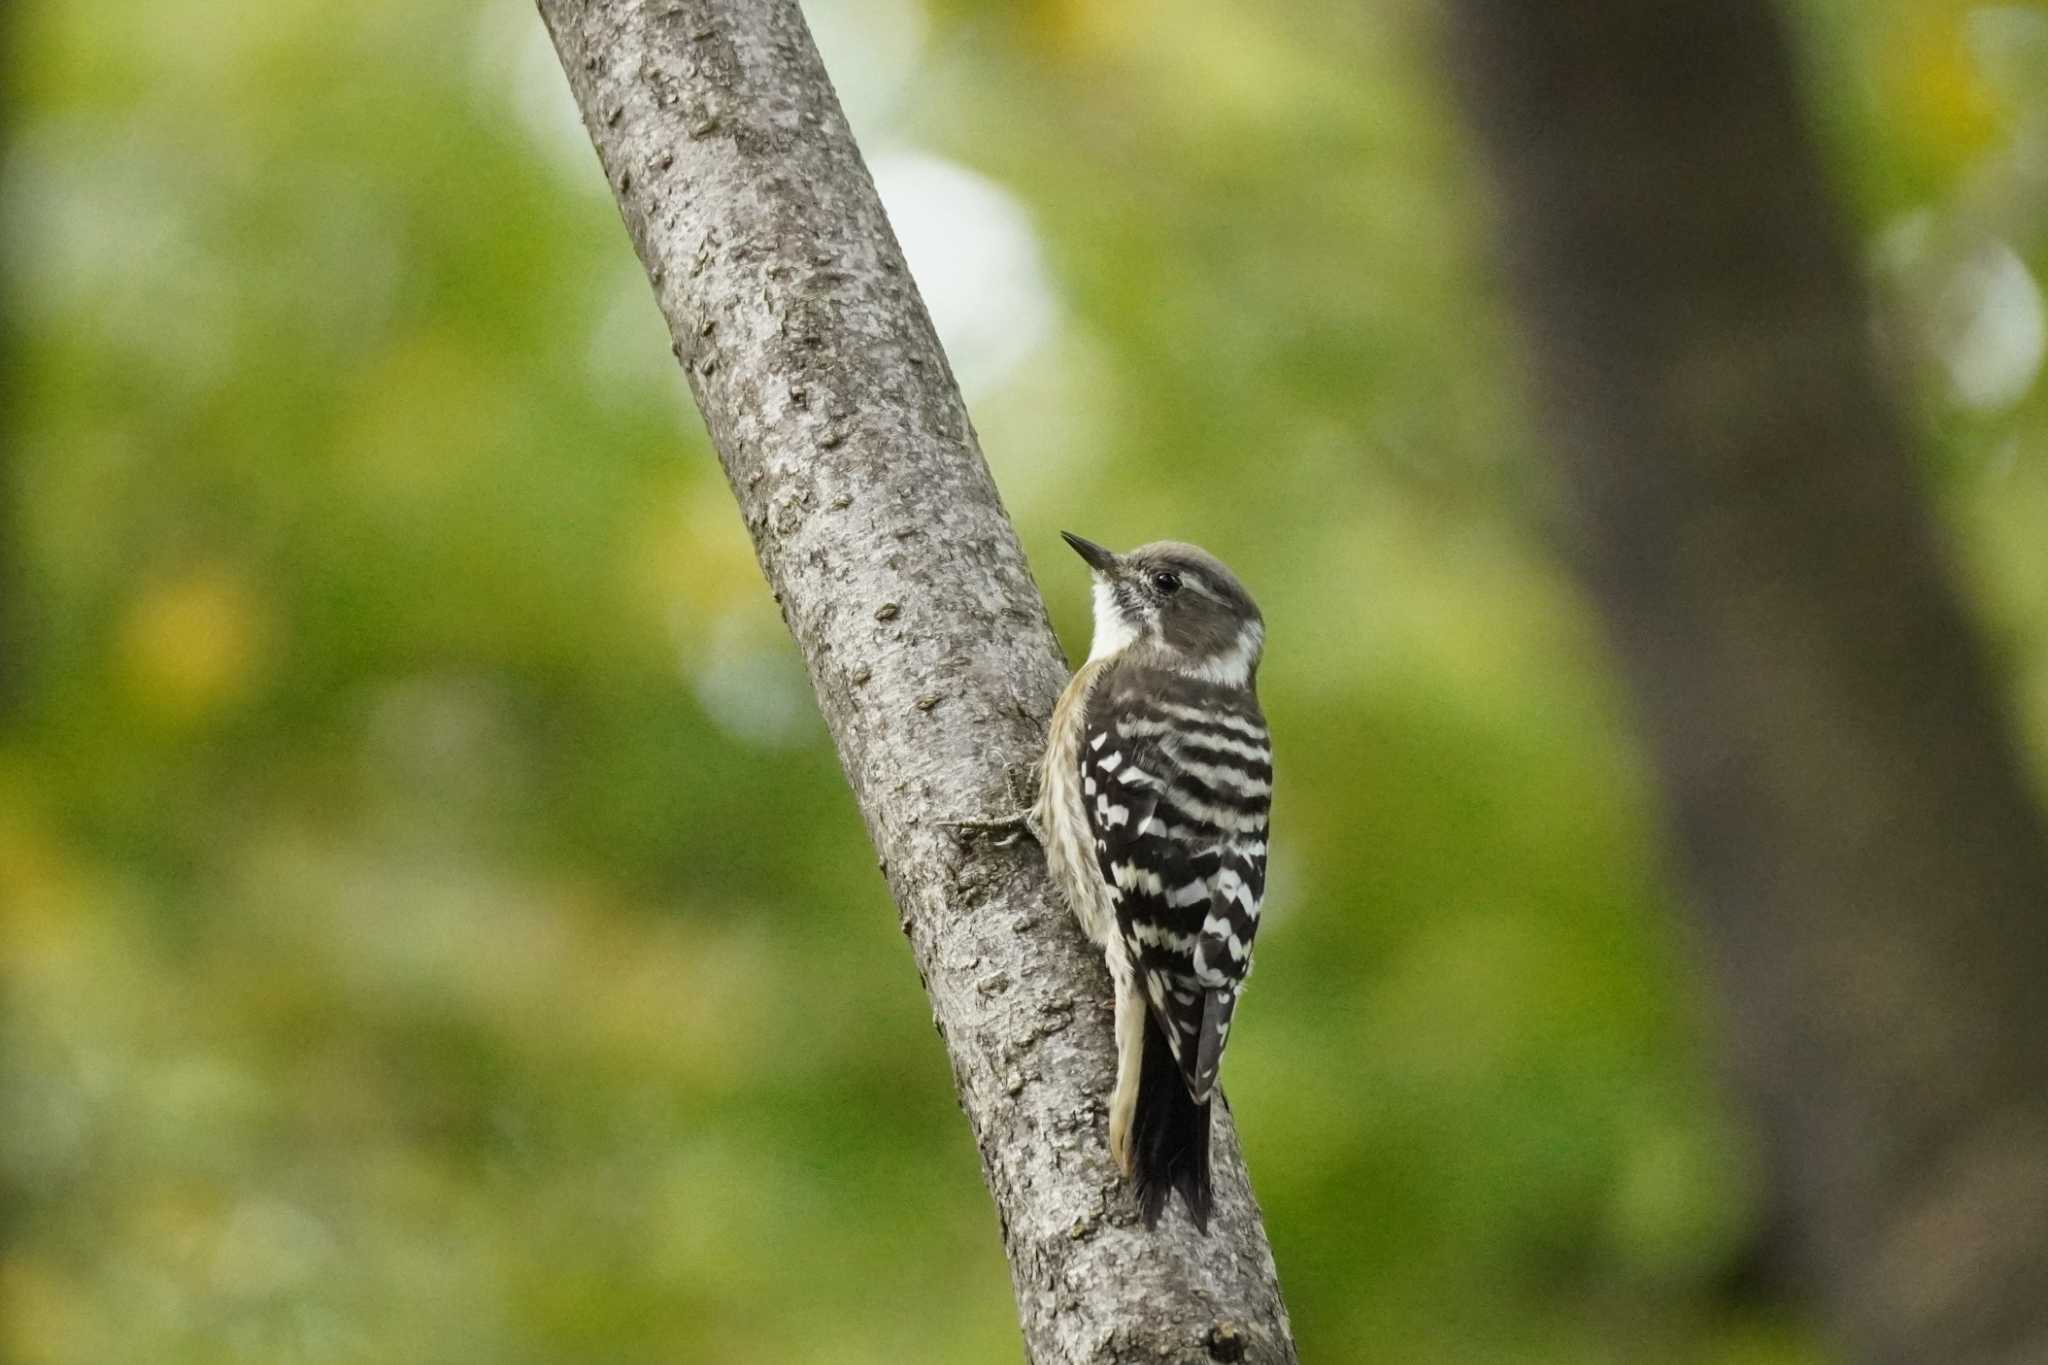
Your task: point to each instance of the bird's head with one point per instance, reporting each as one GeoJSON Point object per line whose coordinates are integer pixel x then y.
{"type": "Point", "coordinates": [1177, 605]}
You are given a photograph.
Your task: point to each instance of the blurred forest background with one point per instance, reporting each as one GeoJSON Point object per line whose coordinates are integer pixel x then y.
{"type": "Point", "coordinates": [435, 927]}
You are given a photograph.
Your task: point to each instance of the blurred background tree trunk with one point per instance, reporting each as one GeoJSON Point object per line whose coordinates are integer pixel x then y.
{"type": "Point", "coordinates": [1859, 840]}
{"type": "Point", "coordinates": [11, 610]}
{"type": "Point", "coordinates": [12, 656]}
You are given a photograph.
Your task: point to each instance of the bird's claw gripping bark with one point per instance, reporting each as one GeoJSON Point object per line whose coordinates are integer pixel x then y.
{"type": "Point", "coordinates": [1005, 830]}
{"type": "Point", "coordinates": [1002, 831]}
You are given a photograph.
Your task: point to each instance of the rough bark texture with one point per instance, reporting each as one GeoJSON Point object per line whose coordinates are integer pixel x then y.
{"type": "Point", "coordinates": [1869, 868]}
{"type": "Point", "coordinates": [880, 530]}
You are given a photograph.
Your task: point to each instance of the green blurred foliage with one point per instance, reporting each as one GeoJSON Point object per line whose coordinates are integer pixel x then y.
{"type": "Point", "coordinates": [435, 927]}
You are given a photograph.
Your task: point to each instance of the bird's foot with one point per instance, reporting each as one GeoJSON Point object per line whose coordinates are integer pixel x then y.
{"type": "Point", "coordinates": [1019, 822]}
{"type": "Point", "coordinates": [1002, 831]}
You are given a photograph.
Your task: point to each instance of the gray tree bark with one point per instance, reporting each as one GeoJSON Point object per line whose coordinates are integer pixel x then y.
{"type": "Point", "coordinates": [1870, 871]}
{"type": "Point", "coordinates": [880, 530]}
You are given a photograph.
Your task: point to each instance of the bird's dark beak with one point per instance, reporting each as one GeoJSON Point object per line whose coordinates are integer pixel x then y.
{"type": "Point", "coordinates": [1099, 559]}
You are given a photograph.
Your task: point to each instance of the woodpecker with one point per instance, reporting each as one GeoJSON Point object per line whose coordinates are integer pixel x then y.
{"type": "Point", "coordinates": [1152, 805]}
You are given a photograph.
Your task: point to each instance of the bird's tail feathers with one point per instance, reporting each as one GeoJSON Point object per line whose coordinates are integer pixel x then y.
{"type": "Point", "coordinates": [1169, 1136]}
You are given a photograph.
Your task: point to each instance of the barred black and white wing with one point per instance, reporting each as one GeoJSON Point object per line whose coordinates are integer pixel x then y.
{"type": "Point", "coordinates": [1177, 777]}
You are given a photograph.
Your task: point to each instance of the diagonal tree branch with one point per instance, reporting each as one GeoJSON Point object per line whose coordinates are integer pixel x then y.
{"type": "Point", "coordinates": [880, 530]}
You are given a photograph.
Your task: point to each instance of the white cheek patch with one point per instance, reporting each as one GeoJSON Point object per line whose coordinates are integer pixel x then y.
{"type": "Point", "coordinates": [1233, 667]}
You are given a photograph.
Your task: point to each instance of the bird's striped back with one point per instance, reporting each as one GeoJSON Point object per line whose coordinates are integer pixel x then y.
{"type": "Point", "coordinates": [1177, 781]}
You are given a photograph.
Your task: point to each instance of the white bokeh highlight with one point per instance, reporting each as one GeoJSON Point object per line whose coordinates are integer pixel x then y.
{"type": "Point", "coordinates": [1992, 328]}
{"type": "Point", "coordinates": [975, 257]}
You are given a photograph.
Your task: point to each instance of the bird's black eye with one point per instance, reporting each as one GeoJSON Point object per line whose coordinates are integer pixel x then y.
{"type": "Point", "coordinates": [1166, 581]}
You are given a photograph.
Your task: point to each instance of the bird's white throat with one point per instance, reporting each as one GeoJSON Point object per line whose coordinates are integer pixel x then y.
{"type": "Point", "coordinates": [1113, 634]}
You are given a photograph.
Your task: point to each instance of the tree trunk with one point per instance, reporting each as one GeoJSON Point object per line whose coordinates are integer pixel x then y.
{"type": "Point", "coordinates": [1868, 867]}
{"type": "Point", "coordinates": [879, 528]}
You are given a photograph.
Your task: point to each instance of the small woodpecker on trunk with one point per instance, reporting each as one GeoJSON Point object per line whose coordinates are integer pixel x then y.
{"type": "Point", "coordinates": [1152, 806]}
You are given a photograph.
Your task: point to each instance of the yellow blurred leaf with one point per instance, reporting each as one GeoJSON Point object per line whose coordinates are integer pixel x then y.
{"type": "Point", "coordinates": [1081, 29]}
{"type": "Point", "coordinates": [38, 885]}
{"type": "Point", "coordinates": [192, 642]}
{"type": "Point", "coordinates": [44, 1314]}
{"type": "Point", "coordinates": [1942, 104]}
{"type": "Point", "coordinates": [699, 560]}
